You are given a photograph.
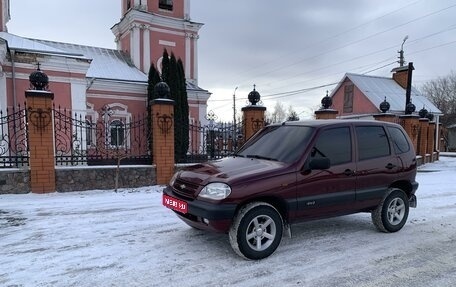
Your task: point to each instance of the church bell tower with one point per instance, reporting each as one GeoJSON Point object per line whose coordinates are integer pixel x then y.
{"type": "Point", "coordinates": [4, 14]}
{"type": "Point", "coordinates": [148, 27]}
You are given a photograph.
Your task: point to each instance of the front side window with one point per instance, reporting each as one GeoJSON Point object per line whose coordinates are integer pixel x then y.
{"type": "Point", "coordinates": [400, 142]}
{"type": "Point", "coordinates": [281, 143]}
{"type": "Point", "coordinates": [334, 144]}
{"type": "Point", "coordinates": [372, 142]}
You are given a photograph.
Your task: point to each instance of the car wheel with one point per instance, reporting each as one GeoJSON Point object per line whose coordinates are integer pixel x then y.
{"type": "Point", "coordinates": [391, 214]}
{"type": "Point", "coordinates": [256, 231]}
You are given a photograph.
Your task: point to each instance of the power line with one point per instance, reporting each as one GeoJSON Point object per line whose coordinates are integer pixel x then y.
{"type": "Point", "coordinates": [329, 38]}
{"type": "Point", "coordinates": [362, 39]}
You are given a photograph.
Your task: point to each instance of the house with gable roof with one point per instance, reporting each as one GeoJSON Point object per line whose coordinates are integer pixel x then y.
{"type": "Point", "coordinates": [360, 96]}
{"type": "Point", "coordinates": [86, 79]}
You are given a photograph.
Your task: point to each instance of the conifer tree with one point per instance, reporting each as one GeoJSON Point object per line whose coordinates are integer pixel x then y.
{"type": "Point", "coordinates": [153, 79]}
{"type": "Point", "coordinates": [182, 88]}
{"type": "Point", "coordinates": [165, 67]}
{"type": "Point", "coordinates": [173, 74]}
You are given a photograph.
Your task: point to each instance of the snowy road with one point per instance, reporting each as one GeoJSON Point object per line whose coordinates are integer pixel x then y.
{"type": "Point", "coordinates": [102, 238]}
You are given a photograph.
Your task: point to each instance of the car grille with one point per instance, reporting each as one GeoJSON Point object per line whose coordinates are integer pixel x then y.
{"type": "Point", "coordinates": [185, 189]}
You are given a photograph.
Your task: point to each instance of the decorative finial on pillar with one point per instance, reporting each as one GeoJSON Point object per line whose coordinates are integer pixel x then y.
{"type": "Point", "coordinates": [384, 106]}
{"type": "Point", "coordinates": [326, 102]}
{"type": "Point", "coordinates": [39, 80]}
{"type": "Point", "coordinates": [254, 96]}
{"type": "Point", "coordinates": [423, 113]}
{"type": "Point", "coordinates": [162, 90]}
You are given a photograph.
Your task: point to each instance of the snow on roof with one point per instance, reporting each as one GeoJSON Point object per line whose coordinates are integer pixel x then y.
{"type": "Point", "coordinates": [192, 86]}
{"type": "Point", "coordinates": [106, 63]}
{"type": "Point", "coordinates": [30, 45]}
{"type": "Point", "coordinates": [377, 88]}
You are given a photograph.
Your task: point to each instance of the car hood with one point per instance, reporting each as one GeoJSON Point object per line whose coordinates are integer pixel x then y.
{"type": "Point", "coordinates": [228, 170]}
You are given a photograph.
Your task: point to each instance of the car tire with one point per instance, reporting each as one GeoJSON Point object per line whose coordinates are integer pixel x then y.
{"type": "Point", "coordinates": [391, 214]}
{"type": "Point", "coordinates": [256, 231]}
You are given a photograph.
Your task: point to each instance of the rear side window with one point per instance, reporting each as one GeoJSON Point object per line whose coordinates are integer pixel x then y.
{"type": "Point", "coordinates": [334, 144]}
{"type": "Point", "coordinates": [372, 142]}
{"type": "Point", "coordinates": [400, 142]}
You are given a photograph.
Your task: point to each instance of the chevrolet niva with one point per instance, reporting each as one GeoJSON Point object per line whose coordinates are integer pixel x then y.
{"type": "Point", "coordinates": [299, 171]}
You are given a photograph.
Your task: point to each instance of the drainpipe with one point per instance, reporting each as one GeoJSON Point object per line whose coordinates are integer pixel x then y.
{"type": "Point", "coordinates": [90, 83]}
{"type": "Point", "coordinates": [13, 75]}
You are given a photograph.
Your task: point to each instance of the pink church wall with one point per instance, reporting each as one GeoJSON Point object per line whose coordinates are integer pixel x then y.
{"type": "Point", "coordinates": [135, 107]}
{"type": "Point", "coordinates": [125, 43]}
{"type": "Point", "coordinates": [62, 91]}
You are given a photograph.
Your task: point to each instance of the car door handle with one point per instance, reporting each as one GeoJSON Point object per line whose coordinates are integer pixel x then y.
{"type": "Point", "coordinates": [390, 166]}
{"type": "Point", "coordinates": [349, 172]}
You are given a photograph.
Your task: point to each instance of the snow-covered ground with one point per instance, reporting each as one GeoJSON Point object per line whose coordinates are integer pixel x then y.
{"type": "Point", "coordinates": [103, 238]}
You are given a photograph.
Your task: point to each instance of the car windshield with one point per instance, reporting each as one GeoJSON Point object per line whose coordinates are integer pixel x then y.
{"type": "Point", "coordinates": [279, 143]}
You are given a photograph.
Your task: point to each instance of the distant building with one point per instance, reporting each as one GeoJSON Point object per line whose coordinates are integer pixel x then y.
{"type": "Point", "coordinates": [360, 96]}
{"type": "Point", "coordinates": [85, 79]}
{"type": "Point", "coordinates": [451, 138]}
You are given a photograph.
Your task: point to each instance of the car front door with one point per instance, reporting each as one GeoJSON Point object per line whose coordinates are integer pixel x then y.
{"type": "Point", "coordinates": [331, 191]}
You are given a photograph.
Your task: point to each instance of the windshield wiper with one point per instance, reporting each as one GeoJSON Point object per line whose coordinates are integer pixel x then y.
{"type": "Point", "coordinates": [261, 157]}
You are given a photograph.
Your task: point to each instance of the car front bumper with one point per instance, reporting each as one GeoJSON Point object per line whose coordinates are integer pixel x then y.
{"type": "Point", "coordinates": [205, 215]}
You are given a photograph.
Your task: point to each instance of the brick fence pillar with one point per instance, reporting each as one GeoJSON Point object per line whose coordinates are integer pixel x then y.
{"type": "Point", "coordinates": [390, 118]}
{"type": "Point", "coordinates": [163, 138]}
{"type": "Point", "coordinates": [423, 139]}
{"type": "Point", "coordinates": [410, 123]}
{"type": "Point", "coordinates": [253, 117]}
{"type": "Point", "coordinates": [41, 140]}
{"type": "Point", "coordinates": [326, 114]}
{"type": "Point", "coordinates": [431, 140]}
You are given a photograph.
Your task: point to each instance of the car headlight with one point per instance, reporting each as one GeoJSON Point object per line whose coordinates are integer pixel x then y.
{"type": "Point", "coordinates": [173, 179]}
{"type": "Point", "coordinates": [216, 191]}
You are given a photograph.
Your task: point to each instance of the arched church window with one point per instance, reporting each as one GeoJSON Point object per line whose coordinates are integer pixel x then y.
{"type": "Point", "coordinates": [166, 4]}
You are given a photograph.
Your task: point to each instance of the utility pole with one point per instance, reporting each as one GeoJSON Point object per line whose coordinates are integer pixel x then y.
{"type": "Point", "coordinates": [401, 53]}
{"type": "Point", "coordinates": [234, 118]}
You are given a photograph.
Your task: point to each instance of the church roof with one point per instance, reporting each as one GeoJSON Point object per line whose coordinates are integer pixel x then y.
{"type": "Point", "coordinates": [376, 89]}
{"type": "Point", "coordinates": [106, 63]}
{"type": "Point", "coordinates": [30, 45]}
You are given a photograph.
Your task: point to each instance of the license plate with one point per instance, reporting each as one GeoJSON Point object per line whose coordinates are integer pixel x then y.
{"type": "Point", "coordinates": [175, 204]}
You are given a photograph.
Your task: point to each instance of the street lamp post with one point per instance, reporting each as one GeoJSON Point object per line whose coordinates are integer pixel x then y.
{"type": "Point", "coordinates": [401, 53]}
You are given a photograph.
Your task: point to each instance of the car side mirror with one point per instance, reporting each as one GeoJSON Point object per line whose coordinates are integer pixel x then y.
{"type": "Point", "coordinates": [319, 163]}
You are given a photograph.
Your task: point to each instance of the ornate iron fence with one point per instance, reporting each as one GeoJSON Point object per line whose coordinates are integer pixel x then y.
{"type": "Point", "coordinates": [213, 141]}
{"type": "Point", "coordinates": [14, 151]}
{"type": "Point", "coordinates": [82, 139]}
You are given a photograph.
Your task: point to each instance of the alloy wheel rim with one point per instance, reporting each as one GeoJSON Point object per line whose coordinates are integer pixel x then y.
{"type": "Point", "coordinates": [261, 232]}
{"type": "Point", "coordinates": [396, 211]}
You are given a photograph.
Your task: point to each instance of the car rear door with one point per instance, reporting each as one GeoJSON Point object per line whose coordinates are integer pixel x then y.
{"type": "Point", "coordinates": [377, 165]}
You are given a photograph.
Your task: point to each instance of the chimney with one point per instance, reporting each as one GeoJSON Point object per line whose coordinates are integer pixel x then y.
{"type": "Point", "coordinates": [400, 75]}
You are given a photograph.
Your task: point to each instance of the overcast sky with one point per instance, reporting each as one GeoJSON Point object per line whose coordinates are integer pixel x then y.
{"type": "Point", "coordinates": [287, 48]}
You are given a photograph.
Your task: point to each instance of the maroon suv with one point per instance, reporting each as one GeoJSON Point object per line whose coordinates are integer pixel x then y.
{"type": "Point", "coordinates": [299, 171]}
